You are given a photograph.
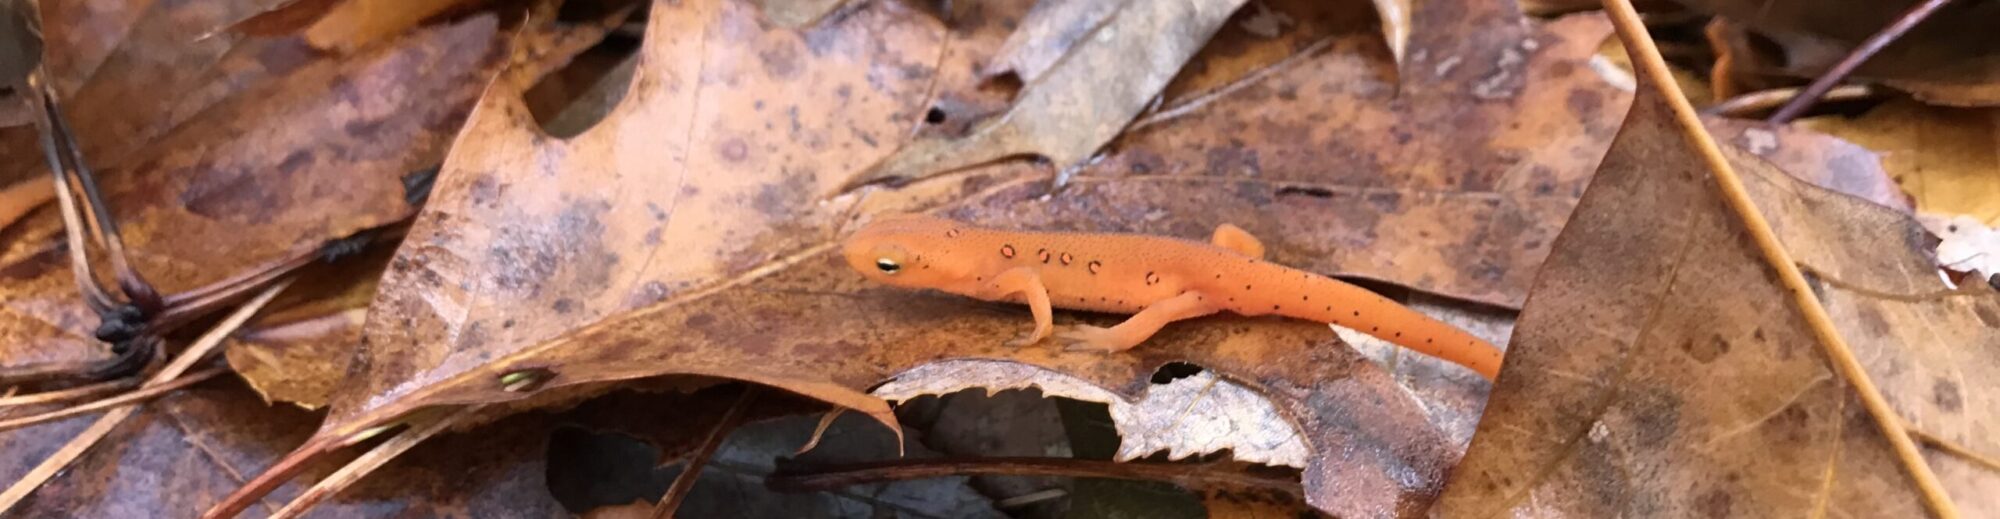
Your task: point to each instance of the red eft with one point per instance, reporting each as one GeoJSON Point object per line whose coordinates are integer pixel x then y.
{"type": "Point", "coordinates": [1158, 279]}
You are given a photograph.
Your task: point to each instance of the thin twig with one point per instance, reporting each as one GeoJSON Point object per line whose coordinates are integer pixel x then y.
{"type": "Point", "coordinates": [1737, 198]}
{"type": "Point", "coordinates": [111, 419]}
{"type": "Point", "coordinates": [684, 482]}
{"type": "Point", "coordinates": [75, 393]}
{"type": "Point", "coordinates": [1761, 100]}
{"type": "Point", "coordinates": [1953, 448]}
{"type": "Point", "coordinates": [142, 394]}
{"type": "Point", "coordinates": [1867, 49]}
{"type": "Point", "coordinates": [382, 454]}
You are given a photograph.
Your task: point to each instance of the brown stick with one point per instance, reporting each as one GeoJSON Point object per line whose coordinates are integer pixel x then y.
{"type": "Point", "coordinates": [143, 394]}
{"type": "Point", "coordinates": [375, 458]}
{"type": "Point", "coordinates": [684, 482]}
{"type": "Point", "coordinates": [74, 393]}
{"type": "Point", "coordinates": [1868, 48]}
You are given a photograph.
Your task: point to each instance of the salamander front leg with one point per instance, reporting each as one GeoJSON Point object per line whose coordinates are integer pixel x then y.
{"type": "Point", "coordinates": [1235, 238]}
{"type": "Point", "coordinates": [1025, 281]}
{"type": "Point", "coordinates": [1139, 327]}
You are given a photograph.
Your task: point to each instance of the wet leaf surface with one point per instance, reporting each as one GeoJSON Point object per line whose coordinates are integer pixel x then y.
{"type": "Point", "coordinates": [1662, 367]}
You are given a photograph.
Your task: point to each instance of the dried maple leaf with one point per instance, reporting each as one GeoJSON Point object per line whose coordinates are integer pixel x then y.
{"type": "Point", "coordinates": [1674, 361]}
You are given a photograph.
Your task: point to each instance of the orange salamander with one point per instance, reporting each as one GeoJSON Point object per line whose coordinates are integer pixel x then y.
{"type": "Point", "coordinates": [1158, 279]}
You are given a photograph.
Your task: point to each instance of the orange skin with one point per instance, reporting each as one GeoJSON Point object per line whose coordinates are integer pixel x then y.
{"type": "Point", "coordinates": [1158, 279]}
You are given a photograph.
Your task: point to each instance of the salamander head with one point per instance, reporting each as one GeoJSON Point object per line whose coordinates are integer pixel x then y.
{"type": "Point", "coordinates": [906, 251]}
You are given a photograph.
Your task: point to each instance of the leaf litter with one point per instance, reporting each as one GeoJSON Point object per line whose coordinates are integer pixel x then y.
{"type": "Point", "coordinates": [980, 195]}
{"type": "Point", "coordinates": [1664, 364]}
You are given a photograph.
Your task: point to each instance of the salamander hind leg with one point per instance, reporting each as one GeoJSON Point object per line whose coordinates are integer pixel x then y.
{"type": "Point", "coordinates": [1235, 238]}
{"type": "Point", "coordinates": [1139, 327]}
{"type": "Point", "coordinates": [1028, 283]}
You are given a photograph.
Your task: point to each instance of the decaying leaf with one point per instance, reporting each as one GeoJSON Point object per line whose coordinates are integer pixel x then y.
{"type": "Point", "coordinates": [1340, 164]}
{"type": "Point", "coordinates": [1191, 416]}
{"type": "Point", "coordinates": [129, 71]}
{"type": "Point", "coordinates": [797, 13]}
{"type": "Point", "coordinates": [1944, 157]}
{"type": "Point", "coordinates": [1073, 110]}
{"type": "Point", "coordinates": [1050, 31]}
{"type": "Point", "coordinates": [297, 350]}
{"type": "Point", "coordinates": [636, 210]}
{"type": "Point", "coordinates": [352, 24]}
{"type": "Point", "coordinates": [1664, 367]}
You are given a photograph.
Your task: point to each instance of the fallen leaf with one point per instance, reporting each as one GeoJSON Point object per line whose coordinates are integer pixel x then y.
{"type": "Point", "coordinates": [797, 13]}
{"type": "Point", "coordinates": [353, 24]}
{"type": "Point", "coordinates": [297, 350]}
{"type": "Point", "coordinates": [128, 72]}
{"type": "Point", "coordinates": [1817, 157]}
{"type": "Point", "coordinates": [507, 258]}
{"type": "Point", "coordinates": [1191, 416]}
{"type": "Point", "coordinates": [1338, 163]}
{"type": "Point", "coordinates": [1663, 367]}
{"type": "Point", "coordinates": [1050, 31]}
{"type": "Point", "coordinates": [1071, 111]}
{"type": "Point", "coordinates": [1943, 157]}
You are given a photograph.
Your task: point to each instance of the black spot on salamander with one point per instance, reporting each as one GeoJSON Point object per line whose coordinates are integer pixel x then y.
{"type": "Point", "coordinates": [1374, 328]}
{"type": "Point", "coordinates": [1093, 266]}
{"type": "Point", "coordinates": [1329, 308]}
{"type": "Point", "coordinates": [1246, 287]}
{"type": "Point", "coordinates": [1152, 279]}
{"type": "Point", "coordinates": [1007, 251]}
{"type": "Point", "coordinates": [1357, 313]}
{"type": "Point", "coordinates": [1066, 258]}
{"type": "Point", "coordinates": [1399, 334]}
{"type": "Point", "coordinates": [1274, 308]}
{"type": "Point", "coordinates": [1043, 254]}
{"type": "Point", "coordinates": [1305, 298]}
{"type": "Point", "coordinates": [1218, 276]}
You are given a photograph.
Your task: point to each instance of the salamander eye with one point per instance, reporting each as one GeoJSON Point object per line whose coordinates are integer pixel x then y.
{"type": "Point", "coordinates": [887, 266]}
